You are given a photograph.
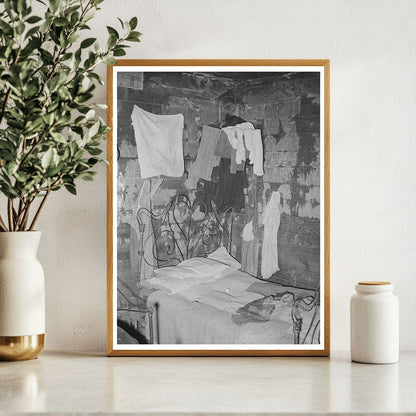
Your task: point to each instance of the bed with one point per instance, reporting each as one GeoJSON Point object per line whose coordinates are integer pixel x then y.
{"type": "Point", "coordinates": [197, 294]}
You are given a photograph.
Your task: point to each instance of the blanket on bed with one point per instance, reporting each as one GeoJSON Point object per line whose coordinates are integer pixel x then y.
{"type": "Point", "coordinates": [203, 314]}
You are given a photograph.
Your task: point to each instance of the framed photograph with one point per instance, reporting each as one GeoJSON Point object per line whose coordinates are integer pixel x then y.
{"type": "Point", "coordinates": [218, 208]}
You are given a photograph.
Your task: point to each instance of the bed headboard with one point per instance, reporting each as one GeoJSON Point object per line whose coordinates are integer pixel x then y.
{"type": "Point", "coordinates": [181, 230]}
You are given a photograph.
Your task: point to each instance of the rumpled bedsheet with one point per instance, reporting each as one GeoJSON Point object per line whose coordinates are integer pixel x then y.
{"type": "Point", "coordinates": [203, 314]}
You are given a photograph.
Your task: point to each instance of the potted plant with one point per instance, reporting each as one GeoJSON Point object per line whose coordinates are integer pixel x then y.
{"type": "Point", "coordinates": [50, 136]}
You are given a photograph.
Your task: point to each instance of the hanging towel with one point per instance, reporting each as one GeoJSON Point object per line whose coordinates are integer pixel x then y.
{"type": "Point", "coordinates": [271, 221]}
{"type": "Point", "coordinates": [159, 143]}
{"type": "Point", "coordinates": [146, 193]}
{"type": "Point", "coordinates": [206, 158]}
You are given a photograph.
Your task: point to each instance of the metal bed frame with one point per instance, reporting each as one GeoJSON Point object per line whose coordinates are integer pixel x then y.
{"type": "Point", "coordinates": [184, 229]}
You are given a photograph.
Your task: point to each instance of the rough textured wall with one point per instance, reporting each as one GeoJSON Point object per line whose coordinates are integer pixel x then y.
{"type": "Point", "coordinates": [197, 98]}
{"type": "Point", "coordinates": [287, 110]}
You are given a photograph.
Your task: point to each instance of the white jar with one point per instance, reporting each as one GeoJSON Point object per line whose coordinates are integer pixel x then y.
{"type": "Point", "coordinates": [374, 323]}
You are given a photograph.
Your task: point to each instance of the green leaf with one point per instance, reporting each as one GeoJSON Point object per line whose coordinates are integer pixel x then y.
{"type": "Point", "coordinates": [33, 19]}
{"type": "Point", "coordinates": [32, 31]}
{"type": "Point", "coordinates": [134, 37]}
{"type": "Point", "coordinates": [74, 18]}
{"type": "Point", "coordinates": [112, 31]}
{"type": "Point", "coordinates": [21, 177]}
{"type": "Point", "coordinates": [86, 176]}
{"type": "Point", "coordinates": [5, 28]}
{"type": "Point", "coordinates": [60, 138]}
{"type": "Point", "coordinates": [54, 4]}
{"type": "Point", "coordinates": [20, 27]}
{"type": "Point", "coordinates": [87, 42]}
{"type": "Point", "coordinates": [133, 23]}
{"type": "Point", "coordinates": [21, 5]}
{"type": "Point", "coordinates": [90, 115]}
{"type": "Point", "coordinates": [47, 158]}
{"type": "Point", "coordinates": [119, 52]}
{"type": "Point", "coordinates": [73, 38]}
{"type": "Point", "coordinates": [112, 41]}
{"type": "Point", "coordinates": [10, 168]}
{"type": "Point", "coordinates": [70, 188]}
{"type": "Point", "coordinates": [94, 151]}
{"type": "Point", "coordinates": [94, 129]}
{"type": "Point", "coordinates": [121, 22]}
{"type": "Point", "coordinates": [110, 60]}
{"type": "Point", "coordinates": [61, 21]}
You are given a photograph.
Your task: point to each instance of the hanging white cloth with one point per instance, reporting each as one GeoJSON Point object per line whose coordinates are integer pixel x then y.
{"type": "Point", "coordinates": [235, 137]}
{"type": "Point", "coordinates": [271, 221]}
{"type": "Point", "coordinates": [244, 137]}
{"type": "Point", "coordinates": [247, 233]}
{"type": "Point", "coordinates": [159, 143]}
{"type": "Point", "coordinates": [253, 143]}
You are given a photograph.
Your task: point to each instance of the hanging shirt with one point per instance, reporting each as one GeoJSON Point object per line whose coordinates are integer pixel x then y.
{"type": "Point", "coordinates": [271, 221]}
{"type": "Point", "coordinates": [159, 143]}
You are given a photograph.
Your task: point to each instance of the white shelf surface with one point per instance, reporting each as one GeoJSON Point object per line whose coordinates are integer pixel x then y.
{"type": "Point", "coordinates": [84, 383]}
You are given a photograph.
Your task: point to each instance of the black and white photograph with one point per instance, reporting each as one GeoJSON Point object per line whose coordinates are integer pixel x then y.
{"type": "Point", "coordinates": [218, 209]}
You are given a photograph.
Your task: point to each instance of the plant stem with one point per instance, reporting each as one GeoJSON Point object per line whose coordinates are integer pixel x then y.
{"type": "Point", "coordinates": [39, 209]}
{"type": "Point", "coordinates": [2, 224]}
{"type": "Point", "coordinates": [26, 216]}
{"type": "Point", "coordinates": [20, 214]}
{"type": "Point", "coordinates": [10, 213]}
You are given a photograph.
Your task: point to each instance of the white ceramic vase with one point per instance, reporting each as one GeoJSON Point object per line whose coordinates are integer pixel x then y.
{"type": "Point", "coordinates": [22, 296]}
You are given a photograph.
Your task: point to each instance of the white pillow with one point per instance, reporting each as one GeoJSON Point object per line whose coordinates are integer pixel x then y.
{"type": "Point", "coordinates": [197, 267]}
{"type": "Point", "coordinates": [173, 285]}
{"type": "Point", "coordinates": [221, 254]}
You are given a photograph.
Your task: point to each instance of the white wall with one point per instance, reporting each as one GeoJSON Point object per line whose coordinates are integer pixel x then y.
{"type": "Point", "coordinates": [371, 45]}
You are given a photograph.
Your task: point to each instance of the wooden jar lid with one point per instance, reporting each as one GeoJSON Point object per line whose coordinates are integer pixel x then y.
{"type": "Point", "coordinates": [374, 283]}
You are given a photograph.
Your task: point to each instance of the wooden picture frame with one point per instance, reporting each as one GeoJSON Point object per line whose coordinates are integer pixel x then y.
{"type": "Point", "coordinates": [295, 114]}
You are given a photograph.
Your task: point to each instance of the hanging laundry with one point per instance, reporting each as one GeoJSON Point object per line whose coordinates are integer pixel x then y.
{"type": "Point", "coordinates": [159, 143]}
{"type": "Point", "coordinates": [235, 136]}
{"type": "Point", "coordinates": [253, 143]}
{"type": "Point", "coordinates": [248, 232]}
{"type": "Point", "coordinates": [146, 193]}
{"type": "Point", "coordinates": [246, 141]}
{"type": "Point", "coordinates": [226, 192]}
{"type": "Point", "coordinates": [225, 150]}
{"type": "Point", "coordinates": [206, 158]}
{"type": "Point", "coordinates": [271, 221]}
